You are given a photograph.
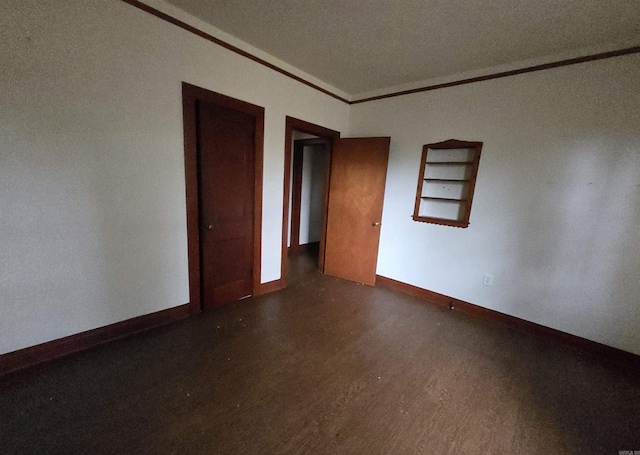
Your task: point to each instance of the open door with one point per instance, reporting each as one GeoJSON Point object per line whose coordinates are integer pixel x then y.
{"type": "Point", "coordinates": [356, 193]}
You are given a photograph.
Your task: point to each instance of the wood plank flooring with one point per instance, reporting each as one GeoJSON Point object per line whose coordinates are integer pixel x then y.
{"type": "Point", "coordinates": [323, 367]}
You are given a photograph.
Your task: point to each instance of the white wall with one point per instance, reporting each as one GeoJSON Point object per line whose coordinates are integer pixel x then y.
{"type": "Point", "coordinates": [92, 205]}
{"type": "Point", "coordinates": [313, 173]}
{"type": "Point", "coordinates": [557, 205]}
{"type": "Point", "coordinates": [92, 209]}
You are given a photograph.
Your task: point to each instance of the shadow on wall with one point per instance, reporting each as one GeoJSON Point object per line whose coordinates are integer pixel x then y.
{"type": "Point", "coordinates": [83, 217]}
{"type": "Point", "coordinates": [579, 259]}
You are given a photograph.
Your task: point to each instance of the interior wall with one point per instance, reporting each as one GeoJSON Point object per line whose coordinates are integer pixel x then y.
{"type": "Point", "coordinates": [313, 175]}
{"type": "Point", "coordinates": [92, 192]}
{"type": "Point", "coordinates": [556, 210]}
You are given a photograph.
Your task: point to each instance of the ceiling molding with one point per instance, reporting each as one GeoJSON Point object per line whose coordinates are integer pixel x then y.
{"type": "Point", "coordinates": [183, 25]}
{"type": "Point", "coordinates": [422, 88]}
{"type": "Point", "coordinates": [501, 74]}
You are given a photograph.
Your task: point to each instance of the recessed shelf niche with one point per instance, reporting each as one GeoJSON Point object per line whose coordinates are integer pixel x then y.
{"type": "Point", "coordinates": [446, 182]}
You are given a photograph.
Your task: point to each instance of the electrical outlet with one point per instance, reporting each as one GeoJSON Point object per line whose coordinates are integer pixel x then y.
{"type": "Point", "coordinates": [487, 280]}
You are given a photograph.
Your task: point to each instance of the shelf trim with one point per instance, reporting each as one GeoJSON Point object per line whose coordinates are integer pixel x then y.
{"type": "Point", "coordinates": [450, 163]}
{"type": "Point", "coordinates": [441, 221]}
{"type": "Point", "coordinates": [442, 199]}
{"type": "Point", "coordinates": [447, 180]}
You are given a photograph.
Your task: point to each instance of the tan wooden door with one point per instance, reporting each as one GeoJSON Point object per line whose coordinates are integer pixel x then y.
{"type": "Point", "coordinates": [356, 194]}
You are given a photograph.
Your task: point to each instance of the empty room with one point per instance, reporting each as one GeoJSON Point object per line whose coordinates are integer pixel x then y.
{"type": "Point", "coordinates": [313, 227]}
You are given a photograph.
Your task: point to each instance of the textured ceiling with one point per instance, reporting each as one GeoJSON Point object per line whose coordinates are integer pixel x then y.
{"type": "Point", "coordinates": [363, 45]}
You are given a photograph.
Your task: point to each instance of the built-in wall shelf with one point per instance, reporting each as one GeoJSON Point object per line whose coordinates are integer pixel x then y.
{"type": "Point", "coordinates": [446, 182]}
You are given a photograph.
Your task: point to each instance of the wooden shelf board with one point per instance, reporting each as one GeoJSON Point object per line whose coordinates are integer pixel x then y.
{"type": "Point", "coordinates": [442, 199]}
{"type": "Point", "coordinates": [450, 163]}
{"type": "Point", "coordinates": [441, 221]}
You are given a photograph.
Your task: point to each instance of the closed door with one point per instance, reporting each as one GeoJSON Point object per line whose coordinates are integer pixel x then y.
{"type": "Point", "coordinates": [354, 213]}
{"type": "Point", "coordinates": [226, 167]}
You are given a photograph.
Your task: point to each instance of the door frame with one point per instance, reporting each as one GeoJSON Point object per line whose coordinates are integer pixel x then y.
{"type": "Point", "coordinates": [190, 95]}
{"type": "Point", "coordinates": [293, 124]}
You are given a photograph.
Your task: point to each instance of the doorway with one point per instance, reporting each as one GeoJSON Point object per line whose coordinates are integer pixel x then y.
{"type": "Point", "coordinates": [223, 170]}
{"type": "Point", "coordinates": [353, 194]}
{"type": "Point", "coordinates": [309, 170]}
{"type": "Point", "coordinates": [308, 174]}
{"type": "Point", "coordinates": [304, 226]}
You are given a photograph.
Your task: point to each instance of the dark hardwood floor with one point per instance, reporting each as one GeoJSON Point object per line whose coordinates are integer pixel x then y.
{"type": "Point", "coordinates": [323, 367]}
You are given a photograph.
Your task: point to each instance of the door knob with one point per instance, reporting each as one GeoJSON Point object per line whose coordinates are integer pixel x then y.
{"type": "Point", "coordinates": [208, 227]}
{"type": "Point", "coordinates": [377, 223]}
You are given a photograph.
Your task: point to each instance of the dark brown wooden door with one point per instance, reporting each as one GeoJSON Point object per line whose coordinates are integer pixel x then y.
{"type": "Point", "coordinates": [356, 194]}
{"type": "Point", "coordinates": [226, 162]}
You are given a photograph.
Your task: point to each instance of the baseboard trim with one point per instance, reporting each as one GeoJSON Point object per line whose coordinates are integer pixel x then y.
{"type": "Point", "coordinates": [23, 358]}
{"type": "Point", "coordinates": [619, 356]}
{"type": "Point", "coordinates": [271, 286]}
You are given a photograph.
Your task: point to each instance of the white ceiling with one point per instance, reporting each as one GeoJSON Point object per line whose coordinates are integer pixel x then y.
{"type": "Point", "coordinates": [363, 45]}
